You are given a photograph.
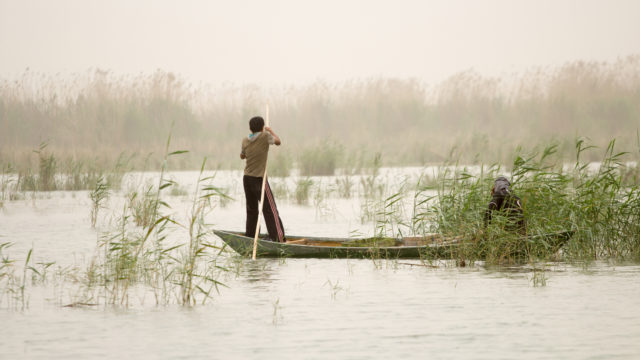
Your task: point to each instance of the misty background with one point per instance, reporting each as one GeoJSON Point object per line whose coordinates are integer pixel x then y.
{"type": "Point", "coordinates": [415, 82]}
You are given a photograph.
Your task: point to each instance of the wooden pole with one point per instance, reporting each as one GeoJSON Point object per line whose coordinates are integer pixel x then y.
{"type": "Point", "coordinates": [264, 181]}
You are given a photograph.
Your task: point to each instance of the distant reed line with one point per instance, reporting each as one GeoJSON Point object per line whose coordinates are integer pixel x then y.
{"type": "Point", "coordinates": [97, 116]}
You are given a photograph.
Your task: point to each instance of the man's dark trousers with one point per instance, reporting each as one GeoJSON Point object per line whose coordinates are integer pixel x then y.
{"type": "Point", "coordinates": [252, 189]}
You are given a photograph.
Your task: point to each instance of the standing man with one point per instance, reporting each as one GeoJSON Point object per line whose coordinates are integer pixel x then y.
{"type": "Point", "coordinates": [255, 148]}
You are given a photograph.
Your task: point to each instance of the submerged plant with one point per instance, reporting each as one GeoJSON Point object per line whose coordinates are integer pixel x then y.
{"type": "Point", "coordinates": [539, 277]}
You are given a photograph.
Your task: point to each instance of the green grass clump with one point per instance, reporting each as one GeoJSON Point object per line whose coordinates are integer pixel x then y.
{"type": "Point", "coordinates": [321, 159]}
{"type": "Point", "coordinates": [371, 188]}
{"type": "Point", "coordinates": [98, 196]}
{"type": "Point", "coordinates": [182, 271]}
{"type": "Point", "coordinates": [303, 190]}
{"type": "Point", "coordinates": [280, 164]}
{"type": "Point", "coordinates": [48, 164]}
{"type": "Point", "coordinates": [142, 206]}
{"type": "Point", "coordinates": [344, 186]}
{"type": "Point", "coordinates": [602, 210]}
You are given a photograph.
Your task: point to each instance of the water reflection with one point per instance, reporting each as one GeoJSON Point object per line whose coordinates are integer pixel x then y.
{"type": "Point", "coordinates": [259, 270]}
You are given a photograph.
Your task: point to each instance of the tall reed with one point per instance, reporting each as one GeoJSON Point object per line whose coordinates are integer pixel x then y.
{"type": "Point", "coordinates": [594, 204]}
{"type": "Point", "coordinates": [150, 256]}
{"type": "Point", "coordinates": [98, 196]}
{"type": "Point", "coordinates": [99, 114]}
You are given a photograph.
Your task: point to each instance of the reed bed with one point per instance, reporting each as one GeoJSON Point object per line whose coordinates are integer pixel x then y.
{"type": "Point", "coordinates": [149, 251]}
{"type": "Point", "coordinates": [594, 202]}
{"type": "Point", "coordinates": [94, 116]}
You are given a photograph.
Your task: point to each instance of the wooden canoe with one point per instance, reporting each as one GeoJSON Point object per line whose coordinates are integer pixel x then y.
{"type": "Point", "coordinates": [430, 246]}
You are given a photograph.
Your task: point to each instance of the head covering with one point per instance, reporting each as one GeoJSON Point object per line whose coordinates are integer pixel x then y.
{"type": "Point", "coordinates": [501, 186]}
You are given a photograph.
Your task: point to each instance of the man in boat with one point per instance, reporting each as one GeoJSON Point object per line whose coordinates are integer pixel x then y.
{"type": "Point", "coordinates": [255, 148]}
{"type": "Point", "coordinates": [504, 201]}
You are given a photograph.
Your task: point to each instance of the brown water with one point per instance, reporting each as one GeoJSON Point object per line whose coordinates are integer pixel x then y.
{"type": "Point", "coordinates": [346, 309]}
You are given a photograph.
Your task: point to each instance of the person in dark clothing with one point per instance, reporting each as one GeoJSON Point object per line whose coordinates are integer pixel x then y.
{"type": "Point", "coordinates": [504, 201]}
{"type": "Point", "coordinates": [255, 148]}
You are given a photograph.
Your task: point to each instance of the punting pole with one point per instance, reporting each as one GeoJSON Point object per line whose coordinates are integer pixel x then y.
{"type": "Point", "coordinates": [264, 181]}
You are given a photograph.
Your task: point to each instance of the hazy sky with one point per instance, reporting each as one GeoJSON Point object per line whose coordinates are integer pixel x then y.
{"type": "Point", "coordinates": [294, 41]}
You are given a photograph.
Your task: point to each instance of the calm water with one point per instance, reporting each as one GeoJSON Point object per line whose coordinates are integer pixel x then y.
{"type": "Point", "coordinates": [347, 309]}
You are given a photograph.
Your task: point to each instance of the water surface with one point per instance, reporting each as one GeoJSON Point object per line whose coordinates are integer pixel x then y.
{"type": "Point", "coordinates": [318, 308]}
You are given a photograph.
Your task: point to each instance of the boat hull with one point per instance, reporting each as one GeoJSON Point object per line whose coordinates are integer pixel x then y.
{"type": "Point", "coordinates": [244, 246]}
{"type": "Point", "coordinates": [432, 247]}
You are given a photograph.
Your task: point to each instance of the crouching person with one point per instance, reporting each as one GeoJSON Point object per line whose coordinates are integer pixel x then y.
{"type": "Point", "coordinates": [506, 203]}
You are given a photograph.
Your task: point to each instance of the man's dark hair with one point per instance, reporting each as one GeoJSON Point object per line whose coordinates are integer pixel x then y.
{"type": "Point", "coordinates": [256, 124]}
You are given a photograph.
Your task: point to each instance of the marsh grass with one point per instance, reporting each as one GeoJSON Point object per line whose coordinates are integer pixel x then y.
{"type": "Point", "coordinates": [303, 190]}
{"type": "Point", "coordinates": [7, 274]}
{"type": "Point", "coordinates": [390, 216]}
{"type": "Point", "coordinates": [320, 159]}
{"type": "Point", "coordinates": [69, 174]}
{"type": "Point", "coordinates": [334, 288]}
{"type": "Point", "coordinates": [539, 277]}
{"type": "Point", "coordinates": [280, 164]}
{"type": "Point", "coordinates": [174, 260]}
{"type": "Point", "coordinates": [47, 169]}
{"type": "Point", "coordinates": [193, 277]}
{"type": "Point", "coordinates": [344, 186]}
{"type": "Point", "coordinates": [371, 187]}
{"type": "Point", "coordinates": [412, 123]}
{"type": "Point", "coordinates": [603, 212]}
{"type": "Point", "coordinates": [13, 285]}
{"type": "Point", "coordinates": [178, 191]}
{"type": "Point", "coordinates": [8, 185]}
{"type": "Point", "coordinates": [280, 189]}
{"type": "Point", "coordinates": [141, 204]}
{"type": "Point", "coordinates": [99, 195]}
{"type": "Point", "coordinates": [76, 175]}
{"type": "Point", "coordinates": [321, 195]}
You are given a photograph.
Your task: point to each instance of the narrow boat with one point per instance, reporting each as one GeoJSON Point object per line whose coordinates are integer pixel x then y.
{"type": "Point", "coordinates": [430, 246]}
